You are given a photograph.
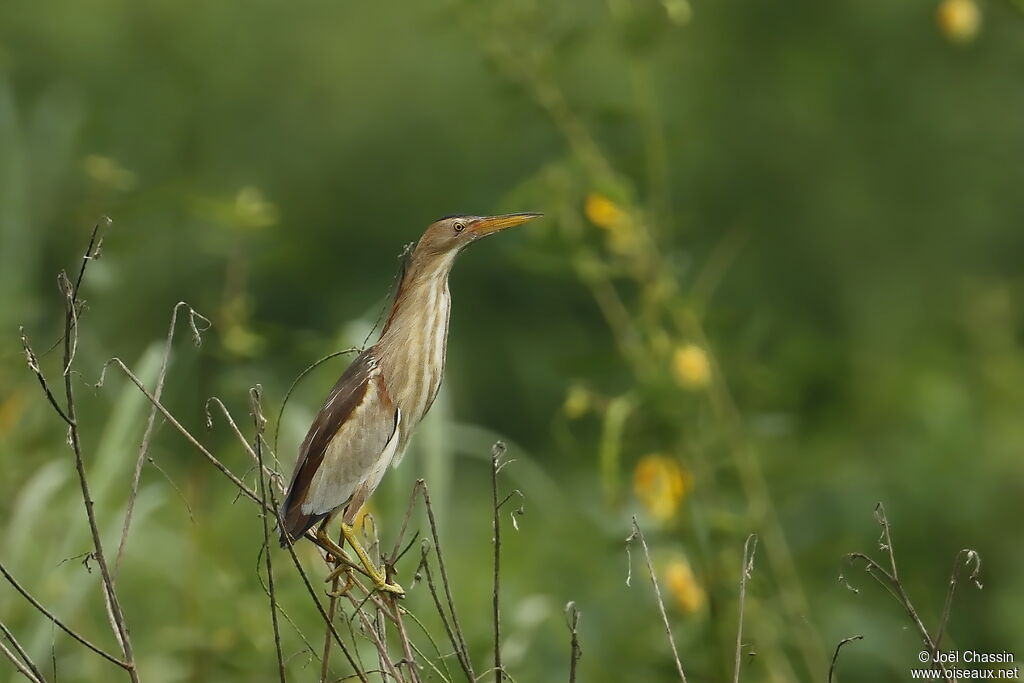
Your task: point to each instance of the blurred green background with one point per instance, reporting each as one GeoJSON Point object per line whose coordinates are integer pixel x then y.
{"type": "Point", "coordinates": [778, 281]}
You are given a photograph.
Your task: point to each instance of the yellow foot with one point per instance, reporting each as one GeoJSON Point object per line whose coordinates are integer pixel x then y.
{"type": "Point", "coordinates": [379, 580]}
{"type": "Point", "coordinates": [349, 582]}
{"type": "Point", "coordinates": [392, 588]}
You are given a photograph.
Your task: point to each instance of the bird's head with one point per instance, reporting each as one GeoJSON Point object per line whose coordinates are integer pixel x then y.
{"type": "Point", "coordinates": [452, 234]}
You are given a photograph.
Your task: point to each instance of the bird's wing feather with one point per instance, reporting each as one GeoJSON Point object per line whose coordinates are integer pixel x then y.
{"type": "Point", "coordinates": [347, 437]}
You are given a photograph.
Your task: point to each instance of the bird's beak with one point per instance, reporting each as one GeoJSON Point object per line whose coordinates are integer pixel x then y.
{"type": "Point", "coordinates": [492, 224]}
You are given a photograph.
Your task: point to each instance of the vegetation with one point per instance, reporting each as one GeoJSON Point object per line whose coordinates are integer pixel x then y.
{"type": "Point", "coordinates": [778, 282]}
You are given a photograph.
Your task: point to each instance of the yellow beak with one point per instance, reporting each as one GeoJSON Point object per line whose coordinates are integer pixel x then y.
{"type": "Point", "coordinates": [492, 224]}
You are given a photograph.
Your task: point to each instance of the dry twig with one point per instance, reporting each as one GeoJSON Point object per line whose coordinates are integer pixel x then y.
{"type": "Point", "coordinates": [835, 655]}
{"type": "Point", "coordinates": [572, 614]}
{"type": "Point", "coordinates": [147, 435]}
{"type": "Point", "coordinates": [497, 451]}
{"type": "Point", "coordinates": [749, 548]}
{"type": "Point", "coordinates": [260, 423]}
{"type": "Point", "coordinates": [22, 662]}
{"type": "Point", "coordinates": [890, 581]}
{"type": "Point", "coordinates": [73, 306]}
{"type": "Point", "coordinates": [637, 534]}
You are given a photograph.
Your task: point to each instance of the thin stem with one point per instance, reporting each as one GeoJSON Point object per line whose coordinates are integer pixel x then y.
{"type": "Point", "coordinates": [70, 344]}
{"type": "Point", "coordinates": [147, 435]}
{"type": "Point", "coordinates": [249, 493]}
{"type": "Point", "coordinates": [332, 609]}
{"type": "Point", "coordinates": [260, 424]}
{"type": "Point", "coordinates": [452, 637]}
{"type": "Point", "coordinates": [60, 624]}
{"type": "Point", "coordinates": [749, 548]}
{"type": "Point", "coordinates": [954, 578]}
{"type": "Point", "coordinates": [497, 451]}
{"type": "Point", "coordinates": [19, 665]}
{"type": "Point", "coordinates": [457, 627]}
{"type": "Point", "coordinates": [572, 621]}
{"type": "Point", "coordinates": [637, 534]}
{"type": "Point", "coordinates": [835, 655]}
{"type": "Point", "coordinates": [36, 674]}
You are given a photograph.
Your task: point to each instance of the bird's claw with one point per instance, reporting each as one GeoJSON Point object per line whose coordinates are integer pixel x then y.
{"type": "Point", "coordinates": [392, 588]}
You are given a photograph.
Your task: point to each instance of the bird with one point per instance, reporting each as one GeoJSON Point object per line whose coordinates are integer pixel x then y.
{"type": "Point", "coordinates": [368, 418]}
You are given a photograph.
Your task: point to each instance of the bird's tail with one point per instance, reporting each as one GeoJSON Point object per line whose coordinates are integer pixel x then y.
{"type": "Point", "coordinates": [295, 523]}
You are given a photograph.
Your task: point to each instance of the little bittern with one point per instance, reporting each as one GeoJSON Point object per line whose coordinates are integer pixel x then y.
{"type": "Point", "coordinates": [366, 421]}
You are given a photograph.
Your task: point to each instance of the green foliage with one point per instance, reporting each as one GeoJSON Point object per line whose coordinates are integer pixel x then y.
{"type": "Point", "coordinates": [820, 204]}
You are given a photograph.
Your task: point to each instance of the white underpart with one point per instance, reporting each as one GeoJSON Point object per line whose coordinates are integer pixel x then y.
{"type": "Point", "coordinates": [387, 456]}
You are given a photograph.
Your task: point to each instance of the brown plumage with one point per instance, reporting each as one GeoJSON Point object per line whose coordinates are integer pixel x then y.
{"type": "Point", "coordinates": [366, 421]}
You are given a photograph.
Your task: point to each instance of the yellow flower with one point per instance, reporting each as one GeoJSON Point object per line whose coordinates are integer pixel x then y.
{"type": "Point", "coordinates": [602, 211]}
{"type": "Point", "coordinates": [691, 367]}
{"type": "Point", "coordinates": [577, 402]}
{"type": "Point", "coordinates": [661, 485]}
{"type": "Point", "coordinates": [683, 586]}
{"type": "Point", "coordinates": [606, 214]}
{"type": "Point", "coordinates": [959, 20]}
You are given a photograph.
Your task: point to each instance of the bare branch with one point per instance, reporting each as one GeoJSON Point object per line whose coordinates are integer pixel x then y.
{"type": "Point", "coordinates": [395, 554]}
{"type": "Point", "coordinates": [274, 509]}
{"type": "Point", "coordinates": [447, 675]}
{"type": "Point", "coordinates": [572, 614]}
{"type": "Point", "coordinates": [749, 548]}
{"type": "Point", "coordinates": [968, 557]}
{"type": "Point", "coordinates": [444, 577]}
{"type": "Point", "coordinates": [19, 665]}
{"type": "Point", "coordinates": [892, 584]}
{"type": "Point", "coordinates": [72, 307]}
{"type": "Point", "coordinates": [460, 654]}
{"type": "Point", "coordinates": [261, 424]}
{"type": "Point", "coordinates": [249, 493]}
{"type": "Point", "coordinates": [33, 673]}
{"type": "Point", "coordinates": [637, 534]}
{"type": "Point", "coordinates": [497, 451]}
{"type": "Point", "coordinates": [382, 648]}
{"type": "Point", "coordinates": [33, 364]}
{"type": "Point", "coordinates": [273, 475]}
{"type": "Point", "coordinates": [835, 655]}
{"type": "Point", "coordinates": [147, 435]}
{"type": "Point", "coordinates": [332, 609]}
{"type": "Point", "coordinates": [403, 637]}
{"type": "Point", "coordinates": [60, 624]}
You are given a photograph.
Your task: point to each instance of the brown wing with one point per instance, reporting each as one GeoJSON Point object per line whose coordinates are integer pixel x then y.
{"type": "Point", "coordinates": [347, 416]}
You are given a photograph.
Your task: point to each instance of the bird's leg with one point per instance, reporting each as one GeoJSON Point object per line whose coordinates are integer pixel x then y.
{"type": "Point", "coordinates": [350, 580]}
{"type": "Point", "coordinates": [334, 551]}
{"type": "Point", "coordinates": [379, 580]}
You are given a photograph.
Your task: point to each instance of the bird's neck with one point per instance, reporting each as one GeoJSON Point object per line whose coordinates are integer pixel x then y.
{"type": "Point", "coordinates": [422, 286]}
{"type": "Point", "coordinates": [413, 346]}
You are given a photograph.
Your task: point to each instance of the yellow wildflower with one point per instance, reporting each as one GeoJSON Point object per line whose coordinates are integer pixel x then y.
{"type": "Point", "coordinates": [617, 224]}
{"type": "Point", "coordinates": [683, 586]}
{"type": "Point", "coordinates": [691, 367]}
{"type": "Point", "coordinates": [577, 402]}
{"type": "Point", "coordinates": [661, 485]}
{"type": "Point", "coordinates": [602, 211]}
{"type": "Point", "coordinates": [959, 20]}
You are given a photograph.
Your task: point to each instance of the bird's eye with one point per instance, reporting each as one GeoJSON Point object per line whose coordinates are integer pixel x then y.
{"type": "Point", "coordinates": [459, 226]}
